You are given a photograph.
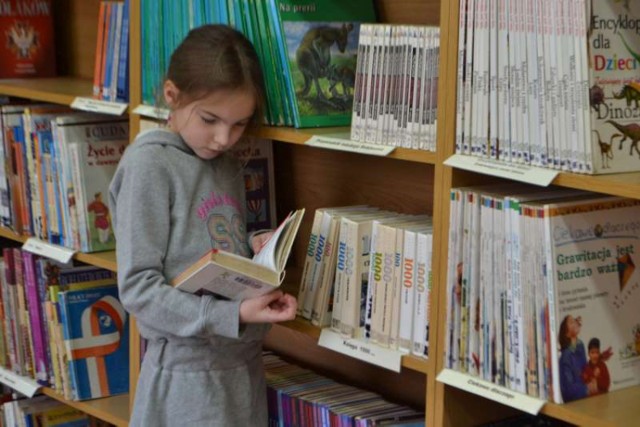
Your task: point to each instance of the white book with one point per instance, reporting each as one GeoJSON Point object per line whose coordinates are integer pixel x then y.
{"type": "Point", "coordinates": [424, 251]}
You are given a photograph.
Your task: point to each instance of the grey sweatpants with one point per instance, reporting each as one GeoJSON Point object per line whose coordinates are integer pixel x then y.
{"type": "Point", "coordinates": [182, 385]}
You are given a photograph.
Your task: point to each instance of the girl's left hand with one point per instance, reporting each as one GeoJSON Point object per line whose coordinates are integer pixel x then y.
{"type": "Point", "coordinates": [273, 307]}
{"type": "Point", "coordinates": [259, 240]}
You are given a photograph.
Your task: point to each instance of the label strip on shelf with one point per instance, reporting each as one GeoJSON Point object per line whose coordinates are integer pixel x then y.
{"type": "Point", "coordinates": [24, 385]}
{"type": "Point", "coordinates": [517, 172]}
{"type": "Point", "coordinates": [151, 111]}
{"type": "Point", "coordinates": [46, 249]}
{"type": "Point", "coordinates": [367, 352]}
{"type": "Point", "coordinates": [99, 106]}
{"type": "Point", "coordinates": [476, 385]}
{"type": "Point", "coordinates": [341, 142]}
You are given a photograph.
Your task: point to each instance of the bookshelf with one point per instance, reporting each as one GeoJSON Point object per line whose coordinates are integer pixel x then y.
{"type": "Point", "coordinates": [407, 180]}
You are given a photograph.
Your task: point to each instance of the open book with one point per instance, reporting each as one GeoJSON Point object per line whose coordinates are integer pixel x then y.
{"type": "Point", "coordinates": [236, 277]}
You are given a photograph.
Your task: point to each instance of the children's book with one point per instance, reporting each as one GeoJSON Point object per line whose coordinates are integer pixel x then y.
{"type": "Point", "coordinates": [236, 277]}
{"type": "Point", "coordinates": [28, 47]}
{"type": "Point", "coordinates": [96, 337]}
{"type": "Point", "coordinates": [594, 294]}
{"type": "Point", "coordinates": [318, 43]}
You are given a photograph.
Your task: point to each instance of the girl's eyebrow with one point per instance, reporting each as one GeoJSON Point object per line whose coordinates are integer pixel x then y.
{"type": "Point", "coordinates": [215, 116]}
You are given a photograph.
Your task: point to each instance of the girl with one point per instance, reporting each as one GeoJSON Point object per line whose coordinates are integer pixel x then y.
{"type": "Point", "coordinates": [175, 195]}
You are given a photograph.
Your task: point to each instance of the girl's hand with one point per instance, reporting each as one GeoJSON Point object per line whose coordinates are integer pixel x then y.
{"type": "Point", "coordinates": [259, 240]}
{"type": "Point", "coordinates": [273, 307]}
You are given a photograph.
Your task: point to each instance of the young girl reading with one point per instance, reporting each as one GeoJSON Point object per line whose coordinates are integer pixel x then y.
{"type": "Point", "coordinates": [177, 194]}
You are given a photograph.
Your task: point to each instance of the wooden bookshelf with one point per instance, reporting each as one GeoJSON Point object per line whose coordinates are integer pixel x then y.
{"type": "Point", "coordinates": [113, 409]}
{"type": "Point", "coordinates": [410, 181]}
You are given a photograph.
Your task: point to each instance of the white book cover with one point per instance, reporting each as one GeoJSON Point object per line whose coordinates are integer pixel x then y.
{"type": "Point", "coordinates": [421, 306]}
{"type": "Point", "coordinates": [594, 294]}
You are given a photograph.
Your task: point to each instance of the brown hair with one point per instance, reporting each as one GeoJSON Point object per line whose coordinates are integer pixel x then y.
{"type": "Point", "coordinates": [563, 339]}
{"type": "Point", "coordinates": [217, 57]}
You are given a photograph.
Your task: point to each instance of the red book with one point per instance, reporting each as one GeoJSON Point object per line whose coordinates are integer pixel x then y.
{"type": "Point", "coordinates": [26, 31]}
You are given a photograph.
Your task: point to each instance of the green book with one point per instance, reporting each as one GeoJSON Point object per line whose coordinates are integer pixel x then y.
{"type": "Point", "coordinates": [317, 42]}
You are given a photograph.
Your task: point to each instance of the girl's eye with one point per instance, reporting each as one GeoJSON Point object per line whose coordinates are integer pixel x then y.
{"type": "Point", "coordinates": [209, 121]}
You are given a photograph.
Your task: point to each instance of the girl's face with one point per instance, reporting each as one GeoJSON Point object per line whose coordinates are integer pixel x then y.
{"type": "Point", "coordinates": [213, 124]}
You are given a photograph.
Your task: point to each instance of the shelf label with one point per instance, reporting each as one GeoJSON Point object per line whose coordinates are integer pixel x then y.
{"type": "Point", "coordinates": [24, 385]}
{"type": "Point", "coordinates": [99, 106]}
{"type": "Point", "coordinates": [341, 141]}
{"type": "Point", "coordinates": [476, 385]}
{"type": "Point", "coordinates": [524, 173]}
{"type": "Point", "coordinates": [151, 111]}
{"type": "Point", "coordinates": [371, 353]}
{"type": "Point", "coordinates": [46, 249]}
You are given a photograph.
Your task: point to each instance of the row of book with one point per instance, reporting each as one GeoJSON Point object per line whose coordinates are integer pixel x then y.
{"type": "Point", "coordinates": [367, 275]}
{"type": "Point", "coordinates": [28, 47]}
{"type": "Point", "coordinates": [63, 326]}
{"type": "Point", "coordinates": [300, 397]}
{"type": "Point", "coordinates": [44, 411]}
{"type": "Point", "coordinates": [58, 166]}
{"type": "Point", "coordinates": [543, 290]}
{"type": "Point", "coordinates": [549, 83]}
{"type": "Point", "coordinates": [396, 80]}
{"type": "Point", "coordinates": [303, 47]}
{"type": "Point", "coordinates": [111, 67]}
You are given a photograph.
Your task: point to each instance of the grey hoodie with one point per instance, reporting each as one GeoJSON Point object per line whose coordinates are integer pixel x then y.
{"type": "Point", "coordinates": [169, 207]}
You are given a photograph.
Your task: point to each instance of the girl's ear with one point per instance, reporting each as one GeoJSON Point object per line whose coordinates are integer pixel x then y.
{"type": "Point", "coordinates": [171, 93]}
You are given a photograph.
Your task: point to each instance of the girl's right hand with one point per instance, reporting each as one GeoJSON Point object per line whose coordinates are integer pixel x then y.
{"type": "Point", "coordinates": [273, 307]}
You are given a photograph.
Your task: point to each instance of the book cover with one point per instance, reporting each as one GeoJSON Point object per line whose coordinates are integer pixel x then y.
{"type": "Point", "coordinates": [28, 45]}
{"type": "Point", "coordinates": [236, 277]}
{"type": "Point", "coordinates": [594, 294]}
{"type": "Point", "coordinates": [96, 337]}
{"type": "Point", "coordinates": [320, 42]}
{"type": "Point", "coordinates": [102, 138]}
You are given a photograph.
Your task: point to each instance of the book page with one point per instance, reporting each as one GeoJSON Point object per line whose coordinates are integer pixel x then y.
{"type": "Point", "coordinates": [276, 250]}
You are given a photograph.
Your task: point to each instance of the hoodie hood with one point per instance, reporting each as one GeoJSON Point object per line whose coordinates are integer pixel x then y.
{"type": "Point", "coordinates": [163, 137]}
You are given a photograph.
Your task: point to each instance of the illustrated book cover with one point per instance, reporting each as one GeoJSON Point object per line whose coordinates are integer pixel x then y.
{"type": "Point", "coordinates": [96, 337]}
{"type": "Point", "coordinates": [27, 34]}
{"type": "Point", "coordinates": [318, 42]}
{"type": "Point", "coordinates": [594, 295]}
{"type": "Point", "coordinates": [236, 277]}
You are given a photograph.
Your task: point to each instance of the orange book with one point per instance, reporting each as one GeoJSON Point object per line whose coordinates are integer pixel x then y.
{"type": "Point", "coordinates": [105, 40]}
{"type": "Point", "coordinates": [27, 48]}
{"type": "Point", "coordinates": [97, 71]}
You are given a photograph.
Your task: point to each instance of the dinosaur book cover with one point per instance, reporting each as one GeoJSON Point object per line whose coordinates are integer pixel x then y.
{"type": "Point", "coordinates": [27, 46]}
{"type": "Point", "coordinates": [319, 42]}
{"type": "Point", "coordinates": [614, 85]}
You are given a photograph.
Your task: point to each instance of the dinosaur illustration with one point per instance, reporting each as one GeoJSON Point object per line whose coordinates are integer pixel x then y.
{"type": "Point", "coordinates": [631, 131]}
{"type": "Point", "coordinates": [606, 153]}
{"type": "Point", "coordinates": [313, 55]}
{"type": "Point", "coordinates": [630, 93]}
{"type": "Point", "coordinates": [596, 97]}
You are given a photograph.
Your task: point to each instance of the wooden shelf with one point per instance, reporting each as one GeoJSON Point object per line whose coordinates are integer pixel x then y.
{"type": "Point", "coordinates": [616, 408]}
{"type": "Point", "coordinates": [305, 327]}
{"type": "Point", "coordinates": [300, 136]}
{"type": "Point", "coordinates": [58, 90]}
{"type": "Point", "coordinates": [105, 259]}
{"type": "Point", "coordinates": [620, 184]}
{"type": "Point", "coordinates": [114, 409]}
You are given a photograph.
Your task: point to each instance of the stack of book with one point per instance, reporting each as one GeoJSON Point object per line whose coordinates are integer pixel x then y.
{"type": "Point", "coordinates": [52, 314]}
{"type": "Point", "coordinates": [367, 276]}
{"type": "Point", "coordinates": [396, 86]}
{"type": "Point", "coordinates": [307, 50]}
{"type": "Point", "coordinates": [60, 165]}
{"type": "Point", "coordinates": [111, 69]}
{"type": "Point", "coordinates": [555, 316]}
{"type": "Point", "coordinates": [550, 83]}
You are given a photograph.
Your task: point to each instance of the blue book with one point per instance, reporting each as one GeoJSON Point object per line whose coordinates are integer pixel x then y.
{"type": "Point", "coordinates": [122, 86]}
{"type": "Point", "coordinates": [96, 336]}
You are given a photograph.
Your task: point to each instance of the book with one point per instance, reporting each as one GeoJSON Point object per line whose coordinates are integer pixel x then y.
{"type": "Point", "coordinates": [317, 43]}
{"type": "Point", "coordinates": [96, 338]}
{"type": "Point", "coordinates": [593, 293]}
{"type": "Point", "coordinates": [236, 277]}
{"type": "Point", "coordinates": [101, 140]}
{"type": "Point", "coordinates": [28, 45]}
